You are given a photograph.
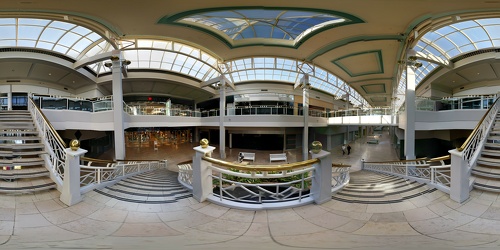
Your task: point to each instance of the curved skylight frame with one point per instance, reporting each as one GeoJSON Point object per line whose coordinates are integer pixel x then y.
{"type": "Point", "coordinates": [457, 39]}
{"type": "Point", "coordinates": [66, 38]}
{"type": "Point", "coordinates": [287, 70]}
{"type": "Point", "coordinates": [244, 25]}
{"type": "Point", "coordinates": [167, 55]}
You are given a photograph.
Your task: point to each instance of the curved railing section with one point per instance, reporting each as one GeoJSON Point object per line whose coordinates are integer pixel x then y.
{"type": "Point", "coordinates": [340, 176]}
{"type": "Point", "coordinates": [261, 183]}
{"type": "Point", "coordinates": [185, 176]}
{"type": "Point", "coordinates": [471, 147]}
{"type": "Point", "coordinates": [105, 173]}
{"type": "Point", "coordinates": [434, 172]}
{"type": "Point", "coordinates": [54, 144]}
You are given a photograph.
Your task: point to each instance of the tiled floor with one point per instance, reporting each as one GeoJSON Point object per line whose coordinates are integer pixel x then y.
{"type": "Point", "coordinates": [430, 221]}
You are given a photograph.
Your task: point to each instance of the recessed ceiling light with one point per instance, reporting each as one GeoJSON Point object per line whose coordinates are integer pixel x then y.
{"type": "Point", "coordinates": [50, 74]}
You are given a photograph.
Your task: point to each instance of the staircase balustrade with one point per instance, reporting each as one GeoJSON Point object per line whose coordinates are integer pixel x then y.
{"type": "Point", "coordinates": [55, 146]}
{"type": "Point", "coordinates": [420, 170]}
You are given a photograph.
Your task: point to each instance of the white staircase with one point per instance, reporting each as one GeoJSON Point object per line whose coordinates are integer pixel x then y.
{"type": "Point", "coordinates": [22, 169]}
{"type": "Point", "coordinates": [487, 170]}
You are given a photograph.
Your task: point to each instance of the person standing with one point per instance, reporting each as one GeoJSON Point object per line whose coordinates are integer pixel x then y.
{"type": "Point", "coordinates": [343, 149]}
{"type": "Point", "coordinates": [348, 149]}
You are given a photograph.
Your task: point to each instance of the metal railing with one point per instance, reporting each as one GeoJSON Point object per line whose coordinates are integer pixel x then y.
{"type": "Point", "coordinates": [340, 176]}
{"type": "Point", "coordinates": [54, 144]}
{"type": "Point", "coordinates": [185, 176]}
{"type": "Point", "coordinates": [93, 176]}
{"type": "Point", "coordinates": [259, 184]}
{"type": "Point", "coordinates": [420, 170]}
{"type": "Point", "coordinates": [472, 145]}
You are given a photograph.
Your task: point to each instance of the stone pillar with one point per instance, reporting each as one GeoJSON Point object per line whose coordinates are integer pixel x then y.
{"type": "Point", "coordinates": [321, 187]}
{"type": "Point", "coordinates": [459, 186]}
{"type": "Point", "coordinates": [202, 181]}
{"type": "Point", "coordinates": [222, 128]}
{"type": "Point", "coordinates": [230, 140]}
{"type": "Point", "coordinates": [410, 113]}
{"type": "Point", "coordinates": [70, 194]}
{"type": "Point", "coordinates": [119, 133]}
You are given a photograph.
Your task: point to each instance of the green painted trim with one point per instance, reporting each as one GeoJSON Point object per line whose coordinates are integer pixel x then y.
{"type": "Point", "coordinates": [363, 87]}
{"type": "Point", "coordinates": [175, 20]}
{"type": "Point", "coordinates": [347, 41]}
{"type": "Point", "coordinates": [380, 62]}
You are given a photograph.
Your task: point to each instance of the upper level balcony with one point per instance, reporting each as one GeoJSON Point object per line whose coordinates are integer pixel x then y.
{"type": "Point", "coordinates": [449, 113]}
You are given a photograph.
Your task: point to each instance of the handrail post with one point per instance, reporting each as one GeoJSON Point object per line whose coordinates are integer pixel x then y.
{"type": "Point", "coordinates": [70, 194]}
{"type": "Point", "coordinates": [202, 180]}
{"type": "Point", "coordinates": [321, 187]}
{"type": "Point", "coordinates": [459, 185]}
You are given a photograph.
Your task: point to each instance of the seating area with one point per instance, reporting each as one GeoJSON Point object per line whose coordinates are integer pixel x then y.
{"type": "Point", "coordinates": [247, 156]}
{"type": "Point", "coordinates": [277, 157]}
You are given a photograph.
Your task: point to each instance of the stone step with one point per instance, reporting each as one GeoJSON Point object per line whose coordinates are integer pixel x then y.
{"type": "Point", "coordinates": [22, 162]}
{"type": "Point", "coordinates": [14, 146]}
{"type": "Point", "coordinates": [366, 187]}
{"type": "Point", "coordinates": [26, 172]}
{"type": "Point", "coordinates": [22, 137]}
{"type": "Point", "coordinates": [487, 184]}
{"type": "Point", "coordinates": [26, 185]}
{"type": "Point", "coordinates": [154, 187]}
{"type": "Point", "coordinates": [490, 152]}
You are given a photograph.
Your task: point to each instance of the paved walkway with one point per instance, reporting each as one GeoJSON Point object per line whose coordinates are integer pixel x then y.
{"type": "Point", "coordinates": [429, 221]}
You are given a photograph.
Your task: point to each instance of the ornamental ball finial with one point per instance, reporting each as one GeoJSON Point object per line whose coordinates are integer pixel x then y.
{"type": "Point", "coordinates": [74, 144]}
{"type": "Point", "coordinates": [204, 143]}
{"type": "Point", "coordinates": [316, 147]}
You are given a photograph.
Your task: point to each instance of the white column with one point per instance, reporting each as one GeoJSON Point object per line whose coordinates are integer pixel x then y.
{"type": "Point", "coordinates": [305, 111]}
{"type": "Point", "coordinates": [222, 110]}
{"type": "Point", "coordinates": [118, 109]}
{"type": "Point", "coordinates": [70, 194]}
{"type": "Point", "coordinates": [459, 185]}
{"type": "Point", "coordinates": [321, 187]}
{"type": "Point", "coordinates": [410, 113]}
{"type": "Point", "coordinates": [202, 181]}
{"type": "Point", "coordinates": [230, 140]}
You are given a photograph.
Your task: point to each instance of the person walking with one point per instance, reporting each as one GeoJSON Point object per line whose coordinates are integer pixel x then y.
{"type": "Point", "coordinates": [343, 149]}
{"type": "Point", "coordinates": [348, 149]}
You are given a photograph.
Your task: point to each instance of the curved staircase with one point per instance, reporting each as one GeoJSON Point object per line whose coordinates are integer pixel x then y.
{"type": "Point", "coordinates": [156, 187]}
{"type": "Point", "coordinates": [21, 167]}
{"type": "Point", "coordinates": [487, 170]}
{"type": "Point", "coordinates": [367, 187]}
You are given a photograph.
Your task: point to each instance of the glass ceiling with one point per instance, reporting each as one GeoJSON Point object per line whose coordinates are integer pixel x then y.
{"type": "Point", "coordinates": [451, 41]}
{"type": "Point", "coordinates": [457, 39]}
{"type": "Point", "coordinates": [62, 37]}
{"type": "Point", "coordinates": [263, 23]}
{"type": "Point", "coordinates": [78, 42]}
{"type": "Point", "coordinates": [166, 55]}
{"type": "Point", "coordinates": [287, 70]}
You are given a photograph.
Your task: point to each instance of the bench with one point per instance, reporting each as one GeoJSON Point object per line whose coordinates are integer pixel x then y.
{"type": "Point", "coordinates": [277, 157]}
{"type": "Point", "coordinates": [372, 141]}
{"type": "Point", "coordinates": [248, 156]}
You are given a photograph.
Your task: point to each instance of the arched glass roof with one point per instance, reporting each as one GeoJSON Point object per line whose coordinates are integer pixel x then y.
{"type": "Point", "coordinates": [263, 23]}
{"type": "Point", "coordinates": [166, 55]}
{"type": "Point", "coordinates": [65, 38]}
{"type": "Point", "coordinates": [287, 70]}
{"type": "Point", "coordinates": [78, 42]}
{"type": "Point", "coordinates": [457, 39]}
